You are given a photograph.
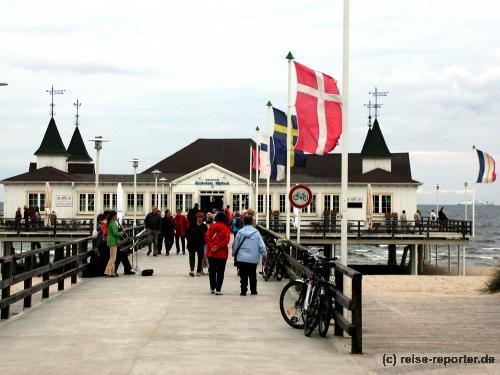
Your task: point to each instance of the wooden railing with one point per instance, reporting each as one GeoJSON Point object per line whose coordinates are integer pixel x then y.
{"type": "Point", "coordinates": [296, 268]}
{"type": "Point", "coordinates": [60, 225]}
{"type": "Point", "coordinates": [64, 260]}
{"type": "Point", "coordinates": [329, 226]}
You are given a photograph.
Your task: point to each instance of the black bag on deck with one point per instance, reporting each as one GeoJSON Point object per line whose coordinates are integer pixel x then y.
{"type": "Point", "coordinates": [147, 272]}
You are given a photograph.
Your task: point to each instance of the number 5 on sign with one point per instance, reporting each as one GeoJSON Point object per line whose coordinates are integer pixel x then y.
{"type": "Point", "coordinates": [300, 196]}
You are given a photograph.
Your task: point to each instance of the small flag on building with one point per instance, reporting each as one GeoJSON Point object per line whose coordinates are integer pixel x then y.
{"type": "Point", "coordinates": [487, 173]}
{"type": "Point", "coordinates": [319, 111]}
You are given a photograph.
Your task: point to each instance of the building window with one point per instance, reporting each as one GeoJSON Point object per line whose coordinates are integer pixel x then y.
{"type": "Point", "coordinates": [37, 200]}
{"type": "Point", "coordinates": [163, 199]}
{"type": "Point", "coordinates": [282, 203]}
{"type": "Point", "coordinates": [183, 202]}
{"type": "Point", "coordinates": [311, 209]}
{"type": "Point", "coordinates": [86, 202]}
{"type": "Point", "coordinates": [382, 204]}
{"type": "Point", "coordinates": [331, 202]}
{"type": "Point", "coordinates": [260, 203]}
{"type": "Point", "coordinates": [109, 201]}
{"type": "Point", "coordinates": [240, 202]}
{"type": "Point", "coordinates": [140, 202]}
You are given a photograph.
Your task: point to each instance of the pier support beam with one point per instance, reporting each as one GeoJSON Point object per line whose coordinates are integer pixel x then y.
{"type": "Point", "coordinates": [449, 259]}
{"type": "Point", "coordinates": [392, 261]}
{"type": "Point", "coordinates": [327, 250]}
{"type": "Point", "coordinates": [420, 252]}
{"type": "Point", "coordinates": [459, 266]}
{"type": "Point", "coordinates": [427, 255]}
{"type": "Point", "coordinates": [463, 261]}
{"type": "Point", "coordinates": [413, 260]}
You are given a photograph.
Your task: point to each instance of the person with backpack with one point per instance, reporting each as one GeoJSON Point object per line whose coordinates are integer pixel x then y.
{"type": "Point", "coordinates": [236, 224]}
{"type": "Point", "coordinates": [248, 246]}
{"type": "Point", "coordinates": [196, 243]}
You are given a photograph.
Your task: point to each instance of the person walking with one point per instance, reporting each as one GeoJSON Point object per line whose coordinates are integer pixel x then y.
{"type": "Point", "coordinates": [152, 223]}
{"type": "Point", "coordinates": [114, 236]}
{"type": "Point", "coordinates": [19, 216]}
{"type": "Point", "coordinates": [191, 215]}
{"type": "Point", "coordinates": [217, 238]}
{"type": "Point", "coordinates": [404, 222]}
{"type": "Point", "coordinates": [196, 244]}
{"type": "Point", "coordinates": [442, 218]}
{"type": "Point", "coordinates": [181, 225]}
{"type": "Point", "coordinates": [417, 217]}
{"type": "Point", "coordinates": [167, 232]}
{"type": "Point", "coordinates": [236, 224]}
{"type": "Point", "coordinates": [248, 246]}
{"type": "Point", "coordinates": [122, 256]}
{"type": "Point", "coordinates": [228, 215]}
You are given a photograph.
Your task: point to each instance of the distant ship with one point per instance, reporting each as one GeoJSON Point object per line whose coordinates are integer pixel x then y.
{"type": "Point", "coordinates": [478, 203]}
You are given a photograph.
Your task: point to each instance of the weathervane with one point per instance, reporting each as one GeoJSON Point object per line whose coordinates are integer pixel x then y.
{"type": "Point", "coordinates": [77, 117]}
{"type": "Point", "coordinates": [369, 106]}
{"type": "Point", "coordinates": [53, 92]}
{"type": "Point", "coordinates": [376, 94]}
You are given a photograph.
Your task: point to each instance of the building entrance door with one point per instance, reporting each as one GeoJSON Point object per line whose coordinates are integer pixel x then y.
{"type": "Point", "coordinates": [211, 200]}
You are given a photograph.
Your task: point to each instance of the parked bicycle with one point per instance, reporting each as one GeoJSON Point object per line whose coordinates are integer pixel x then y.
{"type": "Point", "coordinates": [276, 261]}
{"type": "Point", "coordinates": [307, 303]}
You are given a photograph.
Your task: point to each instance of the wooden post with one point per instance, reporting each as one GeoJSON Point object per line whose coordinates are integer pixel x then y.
{"type": "Point", "coordinates": [45, 275]}
{"type": "Point", "coordinates": [28, 283]}
{"type": "Point", "coordinates": [458, 261]}
{"type": "Point", "coordinates": [436, 255]}
{"type": "Point", "coordinates": [339, 285]}
{"type": "Point", "coordinates": [6, 274]}
{"type": "Point", "coordinates": [463, 261]}
{"type": "Point", "coordinates": [420, 253]}
{"type": "Point", "coordinates": [75, 264]}
{"type": "Point", "coordinates": [449, 259]}
{"type": "Point", "coordinates": [392, 261]}
{"type": "Point", "coordinates": [61, 251]}
{"type": "Point", "coordinates": [413, 260]}
{"type": "Point", "coordinates": [357, 335]}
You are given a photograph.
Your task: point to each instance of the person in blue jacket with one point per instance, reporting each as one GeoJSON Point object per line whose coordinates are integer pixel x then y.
{"type": "Point", "coordinates": [248, 247]}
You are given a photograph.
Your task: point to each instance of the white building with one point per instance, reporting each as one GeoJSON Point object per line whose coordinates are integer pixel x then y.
{"type": "Point", "coordinates": [211, 172]}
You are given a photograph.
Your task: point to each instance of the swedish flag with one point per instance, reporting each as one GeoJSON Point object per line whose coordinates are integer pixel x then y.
{"type": "Point", "coordinates": [297, 158]}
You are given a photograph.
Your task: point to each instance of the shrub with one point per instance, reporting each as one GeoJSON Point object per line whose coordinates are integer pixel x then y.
{"type": "Point", "coordinates": [493, 286]}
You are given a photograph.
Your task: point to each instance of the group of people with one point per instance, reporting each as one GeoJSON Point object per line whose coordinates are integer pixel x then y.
{"type": "Point", "coordinates": [208, 236]}
{"type": "Point", "coordinates": [32, 218]}
{"type": "Point", "coordinates": [418, 219]}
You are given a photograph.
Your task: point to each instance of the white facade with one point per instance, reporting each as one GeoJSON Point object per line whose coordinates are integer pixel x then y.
{"type": "Point", "coordinates": [369, 164]}
{"type": "Point", "coordinates": [58, 162]}
{"type": "Point", "coordinates": [74, 199]}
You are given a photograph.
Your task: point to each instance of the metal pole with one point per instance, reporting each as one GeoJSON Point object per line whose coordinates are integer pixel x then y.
{"type": "Point", "coordinates": [449, 259]}
{"type": "Point", "coordinates": [162, 196]}
{"type": "Point", "coordinates": [288, 143]}
{"type": "Point", "coordinates": [345, 127]}
{"type": "Point", "coordinates": [437, 200]}
{"type": "Point", "coordinates": [269, 131]}
{"type": "Point", "coordinates": [135, 193]}
{"type": "Point", "coordinates": [250, 200]}
{"type": "Point", "coordinates": [463, 261]}
{"type": "Point", "coordinates": [465, 203]}
{"type": "Point", "coordinates": [156, 190]}
{"type": "Point", "coordinates": [257, 170]}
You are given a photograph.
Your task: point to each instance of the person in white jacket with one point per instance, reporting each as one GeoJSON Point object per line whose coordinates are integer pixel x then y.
{"type": "Point", "coordinates": [248, 247]}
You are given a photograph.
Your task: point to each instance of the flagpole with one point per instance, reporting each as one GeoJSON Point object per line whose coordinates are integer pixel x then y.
{"type": "Point", "coordinates": [345, 150]}
{"type": "Point", "coordinates": [257, 170]}
{"type": "Point", "coordinates": [474, 181]}
{"type": "Point", "coordinates": [250, 200]}
{"type": "Point", "coordinates": [269, 129]}
{"type": "Point", "coordinates": [288, 142]}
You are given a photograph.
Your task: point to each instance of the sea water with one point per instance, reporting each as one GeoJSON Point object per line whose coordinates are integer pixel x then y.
{"type": "Point", "coordinates": [483, 250]}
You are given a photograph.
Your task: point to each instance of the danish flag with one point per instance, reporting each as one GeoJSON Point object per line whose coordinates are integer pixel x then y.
{"type": "Point", "coordinates": [319, 111]}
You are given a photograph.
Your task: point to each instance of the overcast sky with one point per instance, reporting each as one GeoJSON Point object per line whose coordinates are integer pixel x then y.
{"type": "Point", "coordinates": [155, 75]}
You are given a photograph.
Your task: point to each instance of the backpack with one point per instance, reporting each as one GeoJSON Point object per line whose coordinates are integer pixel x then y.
{"type": "Point", "coordinates": [236, 225]}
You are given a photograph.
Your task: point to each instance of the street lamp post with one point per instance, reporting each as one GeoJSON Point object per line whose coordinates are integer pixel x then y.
{"type": "Point", "coordinates": [162, 180]}
{"type": "Point", "coordinates": [437, 199]}
{"type": "Point", "coordinates": [156, 173]}
{"type": "Point", "coordinates": [465, 203]}
{"type": "Point", "coordinates": [135, 164]}
{"type": "Point", "coordinates": [98, 147]}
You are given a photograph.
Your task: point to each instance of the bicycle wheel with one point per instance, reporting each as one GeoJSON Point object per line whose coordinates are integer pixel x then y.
{"type": "Point", "coordinates": [311, 316]}
{"type": "Point", "coordinates": [268, 271]}
{"type": "Point", "coordinates": [280, 272]}
{"type": "Point", "coordinates": [325, 313]}
{"type": "Point", "coordinates": [291, 302]}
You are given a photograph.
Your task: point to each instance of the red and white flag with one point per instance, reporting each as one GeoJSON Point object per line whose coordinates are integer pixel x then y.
{"type": "Point", "coordinates": [319, 111]}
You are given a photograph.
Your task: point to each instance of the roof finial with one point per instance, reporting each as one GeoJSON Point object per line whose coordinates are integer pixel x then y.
{"type": "Point", "coordinates": [376, 94]}
{"type": "Point", "coordinates": [369, 106]}
{"type": "Point", "coordinates": [77, 116]}
{"type": "Point", "coordinates": [53, 92]}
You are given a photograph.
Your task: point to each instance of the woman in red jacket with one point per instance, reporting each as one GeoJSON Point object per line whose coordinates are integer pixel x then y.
{"type": "Point", "coordinates": [181, 226]}
{"type": "Point", "coordinates": [217, 238]}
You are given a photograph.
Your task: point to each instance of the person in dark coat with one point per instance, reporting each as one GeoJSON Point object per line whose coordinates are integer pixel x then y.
{"type": "Point", "coordinates": [167, 232]}
{"type": "Point", "coordinates": [196, 243]}
{"type": "Point", "coordinates": [152, 223]}
{"type": "Point", "coordinates": [26, 216]}
{"type": "Point", "coordinates": [191, 215]}
{"type": "Point", "coordinates": [442, 218]}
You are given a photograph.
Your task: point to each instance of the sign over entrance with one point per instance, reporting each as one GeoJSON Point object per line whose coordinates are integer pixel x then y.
{"type": "Point", "coordinates": [300, 196]}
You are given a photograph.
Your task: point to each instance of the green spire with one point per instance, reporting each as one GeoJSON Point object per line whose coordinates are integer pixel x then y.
{"type": "Point", "coordinates": [52, 143]}
{"type": "Point", "coordinates": [257, 129]}
{"type": "Point", "coordinates": [76, 149]}
{"type": "Point", "coordinates": [290, 56]}
{"type": "Point", "coordinates": [269, 104]}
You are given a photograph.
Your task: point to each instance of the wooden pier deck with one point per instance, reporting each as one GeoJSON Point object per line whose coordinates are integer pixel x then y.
{"type": "Point", "coordinates": [169, 323]}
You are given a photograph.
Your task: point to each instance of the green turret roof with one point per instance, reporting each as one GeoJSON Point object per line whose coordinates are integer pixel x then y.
{"type": "Point", "coordinates": [52, 143]}
{"type": "Point", "coordinates": [76, 149]}
{"type": "Point", "coordinates": [375, 145]}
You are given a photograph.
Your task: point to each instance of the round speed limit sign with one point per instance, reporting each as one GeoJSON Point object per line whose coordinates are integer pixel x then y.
{"type": "Point", "coordinates": [300, 196]}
